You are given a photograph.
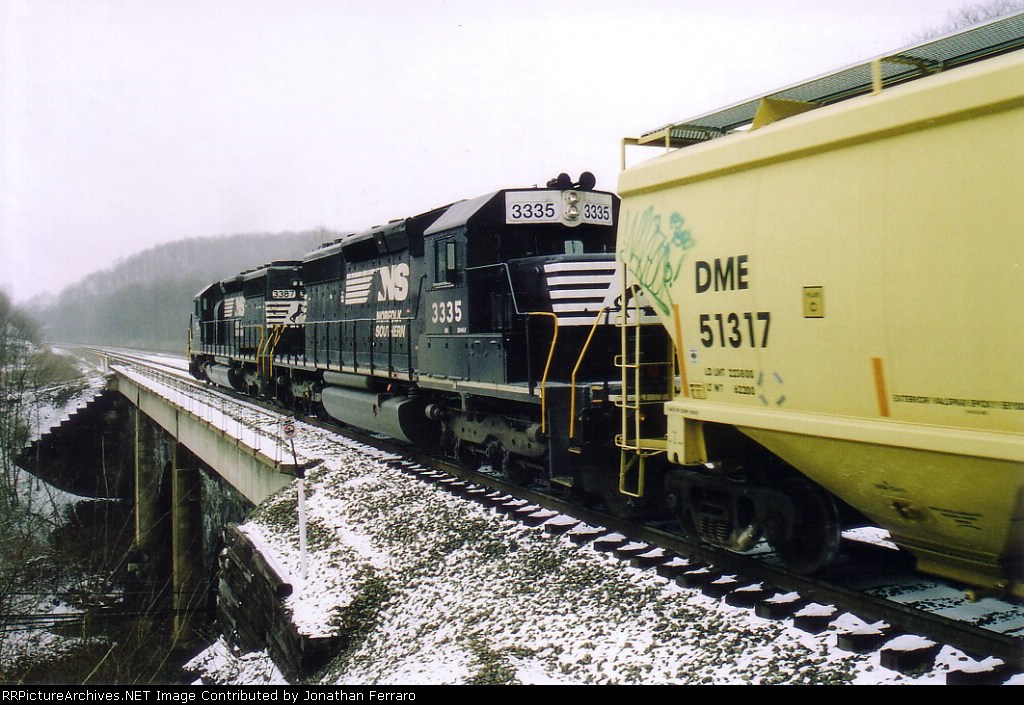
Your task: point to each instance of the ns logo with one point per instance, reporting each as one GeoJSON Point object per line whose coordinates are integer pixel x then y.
{"type": "Point", "coordinates": [394, 282]}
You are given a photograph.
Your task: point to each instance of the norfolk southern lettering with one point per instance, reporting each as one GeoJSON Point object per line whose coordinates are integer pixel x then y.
{"type": "Point", "coordinates": [734, 329]}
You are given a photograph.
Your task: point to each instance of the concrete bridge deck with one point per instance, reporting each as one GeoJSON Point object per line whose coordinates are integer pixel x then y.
{"type": "Point", "coordinates": [243, 445]}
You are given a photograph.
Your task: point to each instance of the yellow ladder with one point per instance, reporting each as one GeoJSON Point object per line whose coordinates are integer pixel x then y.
{"type": "Point", "coordinates": [648, 381]}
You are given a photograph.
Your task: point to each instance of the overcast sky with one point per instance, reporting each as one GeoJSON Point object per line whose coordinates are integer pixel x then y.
{"type": "Point", "coordinates": [129, 123]}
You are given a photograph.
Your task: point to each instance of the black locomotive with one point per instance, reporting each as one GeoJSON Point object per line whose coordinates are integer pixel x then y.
{"type": "Point", "coordinates": [499, 328]}
{"type": "Point", "coordinates": [486, 327]}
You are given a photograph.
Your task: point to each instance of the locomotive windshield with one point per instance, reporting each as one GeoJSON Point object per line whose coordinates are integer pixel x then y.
{"type": "Point", "coordinates": [541, 241]}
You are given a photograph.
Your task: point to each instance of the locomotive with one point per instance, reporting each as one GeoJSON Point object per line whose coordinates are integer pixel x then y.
{"type": "Point", "coordinates": [801, 317]}
{"type": "Point", "coordinates": [483, 326]}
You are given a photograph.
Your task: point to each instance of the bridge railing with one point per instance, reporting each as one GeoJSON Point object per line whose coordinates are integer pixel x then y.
{"type": "Point", "coordinates": [258, 428]}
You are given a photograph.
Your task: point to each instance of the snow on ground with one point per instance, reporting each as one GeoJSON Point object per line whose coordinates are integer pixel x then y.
{"type": "Point", "coordinates": [222, 664]}
{"type": "Point", "coordinates": [54, 407]}
{"type": "Point", "coordinates": [29, 641]}
{"type": "Point", "coordinates": [437, 590]}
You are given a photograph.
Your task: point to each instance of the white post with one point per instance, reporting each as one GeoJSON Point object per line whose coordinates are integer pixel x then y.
{"type": "Point", "coordinates": [302, 525]}
{"type": "Point", "coordinates": [288, 431]}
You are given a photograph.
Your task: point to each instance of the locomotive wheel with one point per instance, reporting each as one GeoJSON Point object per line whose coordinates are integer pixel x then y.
{"type": "Point", "coordinates": [814, 540]}
{"type": "Point", "coordinates": [451, 446]}
{"type": "Point", "coordinates": [497, 457]}
{"type": "Point", "coordinates": [519, 473]}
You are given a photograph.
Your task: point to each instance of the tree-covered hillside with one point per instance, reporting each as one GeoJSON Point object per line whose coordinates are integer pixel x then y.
{"type": "Point", "coordinates": [144, 301]}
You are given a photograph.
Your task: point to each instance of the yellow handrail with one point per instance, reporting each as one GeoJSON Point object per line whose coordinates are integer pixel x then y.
{"type": "Point", "coordinates": [572, 380]}
{"type": "Point", "coordinates": [547, 366]}
{"type": "Point", "coordinates": [275, 337]}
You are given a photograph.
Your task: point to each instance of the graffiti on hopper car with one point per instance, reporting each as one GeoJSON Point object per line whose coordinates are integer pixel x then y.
{"type": "Point", "coordinates": [654, 256]}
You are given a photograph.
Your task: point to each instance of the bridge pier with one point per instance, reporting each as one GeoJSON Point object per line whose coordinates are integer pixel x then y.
{"type": "Point", "coordinates": [149, 565]}
{"type": "Point", "coordinates": [189, 597]}
{"type": "Point", "coordinates": [149, 472]}
{"type": "Point", "coordinates": [181, 506]}
{"type": "Point", "coordinates": [169, 514]}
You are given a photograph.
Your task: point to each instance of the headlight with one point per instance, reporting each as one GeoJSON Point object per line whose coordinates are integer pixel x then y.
{"type": "Point", "coordinates": [571, 202]}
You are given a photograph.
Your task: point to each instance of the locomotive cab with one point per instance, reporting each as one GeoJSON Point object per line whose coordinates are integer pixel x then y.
{"type": "Point", "coordinates": [243, 324]}
{"type": "Point", "coordinates": [217, 322]}
{"type": "Point", "coordinates": [519, 294]}
{"type": "Point", "coordinates": [505, 271]}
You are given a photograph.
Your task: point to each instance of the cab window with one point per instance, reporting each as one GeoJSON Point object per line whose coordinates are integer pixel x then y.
{"type": "Point", "coordinates": [445, 262]}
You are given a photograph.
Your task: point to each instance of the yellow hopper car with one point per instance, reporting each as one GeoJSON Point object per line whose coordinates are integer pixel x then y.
{"type": "Point", "coordinates": [839, 266]}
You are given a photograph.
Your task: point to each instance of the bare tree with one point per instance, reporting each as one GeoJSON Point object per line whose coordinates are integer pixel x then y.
{"type": "Point", "coordinates": [973, 14]}
{"type": "Point", "coordinates": [20, 542]}
{"type": "Point", "coordinates": [18, 342]}
{"type": "Point", "coordinates": [44, 557]}
{"type": "Point", "coordinates": [30, 375]}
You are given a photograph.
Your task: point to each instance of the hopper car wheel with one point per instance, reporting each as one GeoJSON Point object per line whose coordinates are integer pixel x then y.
{"type": "Point", "coordinates": [813, 542]}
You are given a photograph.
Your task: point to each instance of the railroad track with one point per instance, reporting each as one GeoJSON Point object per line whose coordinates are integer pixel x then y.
{"type": "Point", "coordinates": [885, 596]}
{"type": "Point", "coordinates": [871, 596]}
